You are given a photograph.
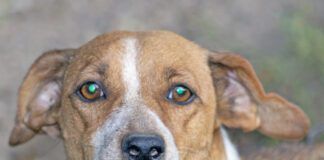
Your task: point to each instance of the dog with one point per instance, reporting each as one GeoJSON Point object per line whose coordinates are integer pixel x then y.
{"type": "Point", "coordinates": [148, 96]}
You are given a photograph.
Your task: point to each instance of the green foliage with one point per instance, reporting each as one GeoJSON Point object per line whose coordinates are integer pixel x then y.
{"type": "Point", "coordinates": [305, 46]}
{"type": "Point", "coordinates": [306, 40]}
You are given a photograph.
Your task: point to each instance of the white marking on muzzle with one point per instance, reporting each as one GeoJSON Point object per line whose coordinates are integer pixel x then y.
{"type": "Point", "coordinates": [171, 149]}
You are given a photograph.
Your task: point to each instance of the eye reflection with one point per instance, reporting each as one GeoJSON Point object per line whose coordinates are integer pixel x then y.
{"type": "Point", "coordinates": [180, 94]}
{"type": "Point", "coordinates": [90, 91]}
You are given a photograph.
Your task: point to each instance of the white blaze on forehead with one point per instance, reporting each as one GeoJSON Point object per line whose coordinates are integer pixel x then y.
{"type": "Point", "coordinates": [129, 70]}
{"type": "Point", "coordinates": [132, 95]}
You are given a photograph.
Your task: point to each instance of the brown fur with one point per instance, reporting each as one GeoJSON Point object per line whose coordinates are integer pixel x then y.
{"type": "Point", "coordinates": [228, 90]}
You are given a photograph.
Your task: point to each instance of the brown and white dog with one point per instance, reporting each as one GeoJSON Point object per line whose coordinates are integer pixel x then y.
{"type": "Point", "coordinates": [148, 95]}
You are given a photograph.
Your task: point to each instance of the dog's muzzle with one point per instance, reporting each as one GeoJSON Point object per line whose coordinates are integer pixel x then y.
{"type": "Point", "coordinates": [143, 147]}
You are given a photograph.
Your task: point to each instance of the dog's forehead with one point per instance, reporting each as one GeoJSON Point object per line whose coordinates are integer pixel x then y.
{"type": "Point", "coordinates": [159, 54]}
{"type": "Point", "coordinates": [156, 46]}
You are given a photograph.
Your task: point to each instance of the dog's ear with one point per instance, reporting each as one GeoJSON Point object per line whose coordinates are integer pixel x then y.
{"type": "Point", "coordinates": [243, 103]}
{"type": "Point", "coordinates": [40, 96]}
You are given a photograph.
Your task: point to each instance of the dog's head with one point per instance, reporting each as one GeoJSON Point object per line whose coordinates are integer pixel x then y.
{"type": "Point", "coordinates": [130, 95]}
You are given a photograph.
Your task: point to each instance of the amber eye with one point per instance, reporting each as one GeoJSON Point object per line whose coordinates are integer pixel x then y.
{"type": "Point", "coordinates": [180, 94]}
{"type": "Point", "coordinates": [90, 91]}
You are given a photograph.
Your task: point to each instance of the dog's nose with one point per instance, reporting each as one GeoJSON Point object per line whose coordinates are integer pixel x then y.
{"type": "Point", "coordinates": [143, 147]}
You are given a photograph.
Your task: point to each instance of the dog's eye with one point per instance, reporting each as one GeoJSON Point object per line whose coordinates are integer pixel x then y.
{"type": "Point", "coordinates": [180, 94]}
{"type": "Point", "coordinates": [90, 91]}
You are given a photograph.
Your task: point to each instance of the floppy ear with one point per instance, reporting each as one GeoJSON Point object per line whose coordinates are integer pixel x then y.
{"type": "Point", "coordinates": [243, 103]}
{"type": "Point", "coordinates": [39, 97]}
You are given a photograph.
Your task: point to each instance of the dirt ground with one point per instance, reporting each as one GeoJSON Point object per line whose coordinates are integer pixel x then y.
{"type": "Point", "coordinates": [30, 27]}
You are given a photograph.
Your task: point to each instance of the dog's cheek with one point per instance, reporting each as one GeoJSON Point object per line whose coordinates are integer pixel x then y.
{"type": "Point", "coordinates": [72, 128]}
{"type": "Point", "coordinates": [201, 135]}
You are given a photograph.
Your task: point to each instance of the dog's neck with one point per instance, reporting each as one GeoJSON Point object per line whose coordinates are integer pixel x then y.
{"type": "Point", "coordinates": [221, 149]}
{"type": "Point", "coordinates": [230, 150]}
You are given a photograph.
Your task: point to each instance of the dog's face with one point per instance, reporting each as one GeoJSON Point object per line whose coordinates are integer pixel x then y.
{"type": "Point", "coordinates": [147, 95]}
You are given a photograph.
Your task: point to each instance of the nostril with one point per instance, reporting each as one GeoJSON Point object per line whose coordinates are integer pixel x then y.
{"type": "Point", "coordinates": [134, 151]}
{"type": "Point", "coordinates": [155, 152]}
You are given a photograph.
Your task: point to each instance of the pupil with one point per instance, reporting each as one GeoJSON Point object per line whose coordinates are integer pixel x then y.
{"type": "Point", "coordinates": [92, 88]}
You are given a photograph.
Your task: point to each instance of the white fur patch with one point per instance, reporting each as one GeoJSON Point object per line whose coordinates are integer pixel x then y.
{"type": "Point", "coordinates": [230, 150]}
{"type": "Point", "coordinates": [129, 71]}
{"type": "Point", "coordinates": [105, 139]}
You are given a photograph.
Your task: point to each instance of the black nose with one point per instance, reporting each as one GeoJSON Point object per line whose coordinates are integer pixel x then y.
{"type": "Point", "coordinates": [143, 147]}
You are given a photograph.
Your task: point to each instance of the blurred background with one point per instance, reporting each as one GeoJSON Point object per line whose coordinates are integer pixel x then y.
{"type": "Point", "coordinates": [284, 40]}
